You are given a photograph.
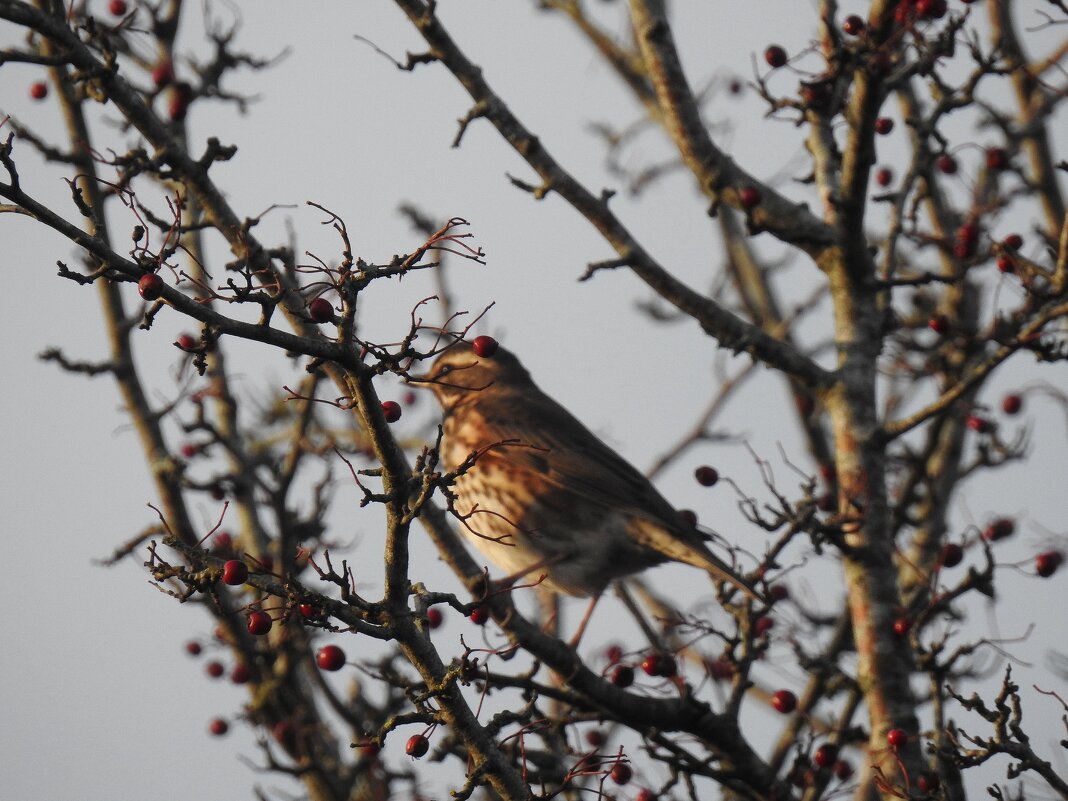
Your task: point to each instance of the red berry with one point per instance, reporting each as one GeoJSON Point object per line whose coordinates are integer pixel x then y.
{"type": "Point", "coordinates": [952, 554]}
{"type": "Point", "coordinates": [931, 9]}
{"type": "Point", "coordinates": [825, 502]}
{"type": "Point", "coordinates": [595, 738]}
{"type": "Point", "coordinates": [621, 773]}
{"type": "Point", "coordinates": [1006, 264]}
{"type": "Point", "coordinates": [853, 25]}
{"type": "Point", "coordinates": [843, 770]}
{"type": "Point", "coordinates": [763, 625]}
{"type": "Point", "coordinates": [1012, 242]}
{"type": "Point", "coordinates": [778, 592]}
{"type": "Point", "coordinates": [434, 617]}
{"type": "Point", "coordinates": [218, 727]}
{"type": "Point", "coordinates": [392, 411]}
{"type": "Point", "coordinates": [163, 74]}
{"type": "Point", "coordinates": [330, 657]}
{"type": "Point", "coordinates": [321, 310]}
{"type": "Point", "coordinates": [719, 669]}
{"type": "Point", "coordinates": [947, 164]}
{"type": "Point", "coordinates": [775, 56]}
{"type": "Point", "coordinates": [117, 7]}
{"type": "Point", "coordinates": [902, 626]}
{"type": "Point", "coordinates": [996, 158]}
{"type": "Point", "coordinates": [784, 701]}
{"type": "Point", "coordinates": [417, 746]}
{"type": "Point", "coordinates": [284, 732]}
{"type": "Point", "coordinates": [939, 323]}
{"type": "Point", "coordinates": [660, 664]}
{"type": "Point", "coordinates": [897, 738]}
{"type": "Point", "coordinates": [826, 755]}
{"type": "Point", "coordinates": [240, 674]}
{"type": "Point", "coordinates": [484, 346]}
{"type": "Point", "coordinates": [193, 648]}
{"type": "Point", "coordinates": [884, 176]}
{"type": "Point", "coordinates": [178, 101]}
{"type": "Point", "coordinates": [750, 197]}
{"type": "Point", "coordinates": [706, 476]}
{"type": "Point", "coordinates": [310, 611]}
{"type": "Point", "coordinates": [884, 125]}
{"type": "Point", "coordinates": [222, 542]}
{"type": "Point", "coordinates": [622, 676]}
{"type": "Point", "coordinates": [614, 653]}
{"type": "Point", "coordinates": [186, 342]}
{"type": "Point", "coordinates": [259, 623]}
{"type": "Point", "coordinates": [928, 782]}
{"type": "Point", "coordinates": [689, 516]}
{"type": "Point", "coordinates": [479, 615]}
{"type": "Point", "coordinates": [645, 794]}
{"type": "Point", "coordinates": [150, 286]}
{"type": "Point", "coordinates": [39, 90]}
{"type": "Point", "coordinates": [978, 424]}
{"type": "Point", "coordinates": [235, 573]}
{"type": "Point", "coordinates": [1046, 564]}
{"type": "Point", "coordinates": [1011, 404]}
{"type": "Point", "coordinates": [999, 529]}
{"type": "Point", "coordinates": [214, 669]}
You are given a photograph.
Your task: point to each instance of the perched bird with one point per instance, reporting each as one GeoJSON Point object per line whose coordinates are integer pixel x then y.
{"type": "Point", "coordinates": [544, 495]}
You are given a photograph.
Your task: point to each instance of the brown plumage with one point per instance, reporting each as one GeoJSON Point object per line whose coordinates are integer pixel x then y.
{"type": "Point", "coordinates": [545, 495]}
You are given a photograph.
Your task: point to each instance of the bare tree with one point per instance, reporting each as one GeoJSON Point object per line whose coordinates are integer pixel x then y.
{"type": "Point", "coordinates": [925, 300]}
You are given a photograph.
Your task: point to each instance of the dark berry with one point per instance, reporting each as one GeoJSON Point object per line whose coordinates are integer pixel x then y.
{"type": "Point", "coordinates": [417, 746]}
{"type": "Point", "coordinates": [484, 346]}
{"type": "Point", "coordinates": [235, 572]}
{"type": "Point", "coordinates": [330, 657]}
{"type": "Point", "coordinates": [952, 554]}
{"type": "Point", "coordinates": [392, 411]}
{"type": "Point", "coordinates": [706, 476]}
{"type": "Point", "coordinates": [150, 286]}
{"type": "Point", "coordinates": [259, 623]}
{"type": "Point", "coordinates": [784, 701]}
{"type": "Point", "coordinates": [321, 310]}
{"type": "Point", "coordinates": [39, 90]}
{"type": "Point", "coordinates": [775, 56]}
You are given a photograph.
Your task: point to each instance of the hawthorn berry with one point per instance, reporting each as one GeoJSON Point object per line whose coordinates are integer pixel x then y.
{"type": "Point", "coordinates": [1005, 264]}
{"type": "Point", "coordinates": [883, 126]}
{"type": "Point", "coordinates": [784, 701]}
{"type": "Point", "coordinates": [938, 323]}
{"type": "Point", "coordinates": [843, 770]}
{"type": "Point", "coordinates": [952, 554]}
{"type": "Point", "coordinates": [163, 74]}
{"type": "Point", "coordinates": [902, 626]}
{"type": "Point", "coordinates": [392, 411]}
{"type": "Point", "coordinates": [750, 197]}
{"type": "Point", "coordinates": [660, 664]}
{"type": "Point", "coordinates": [235, 573]}
{"type": "Point", "coordinates": [240, 674]}
{"type": "Point", "coordinates": [978, 423]}
{"type": "Point", "coordinates": [853, 25]}
{"type": "Point", "coordinates": [1011, 404]}
{"type": "Point", "coordinates": [688, 515]}
{"type": "Point", "coordinates": [39, 90]}
{"type": "Point", "coordinates": [310, 611]}
{"type": "Point", "coordinates": [645, 794]}
{"type": "Point", "coordinates": [218, 727]}
{"type": "Point", "coordinates": [330, 657]}
{"type": "Point", "coordinates": [614, 653]}
{"type": "Point", "coordinates": [996, 158]}
{"type": "Point", "coordinates": [321, 310]}
{"type": "Point", "coordinates": [193, 648]}
{"type": "Point", "coordinates": [150, 286]}
{"type": "Point", "coordinates": [622, 676]}
{"type": "Point", "coordinates": [775, 56]}
{"type": "Point", "coordinates": [763, 625]}
{"type": "Point", "coordinates": [186, 342]}
{"type": "Point", "coordinates": [884, 176]}
{"type": "Point", "coordinates": [719, 669]}
{"type": "Point", "coordinates": [999, 529]}
{"type": "Point", "coordinates": [417, 746]}
{"type": "Point", "coordinates": [621, 773]}
{"type": "Point", "coordinates": [259, 623]}
{"type": "Point", "coordinates": [181, 94]}
{"type": "Point", "coordinates": [826, 755]}
{"type": "Point", "coordinates": [214, 669]}
{"type": "Point", "coordinates": [117, 8]}
{"type": "Point", "coordinates": [706, 476]}
{"type": "Point", "coordinates": [484, 346]}
{"type": "Point", "coordinates": [897, 738]}
{"type": "Point", "coordinates": [1046, 564]}
{"type": "Point", "coordinates": [284, 733]}
{"type": "Point", "coordinates": [479, 615]}
{"type": "Point", "coordinates": [434, 617]}
{"type": "Point", "coordinates": [778, 592]}
{"type": "Point", "coordinates": [928, 782]}
{"type": "Point", "coordinates": [946, 164]}
{"type": "Point", "coordinates": [1012, 242]}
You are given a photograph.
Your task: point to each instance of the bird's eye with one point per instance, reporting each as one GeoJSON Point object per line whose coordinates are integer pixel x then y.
{"type": "Point", "coordinates": [445, 370]}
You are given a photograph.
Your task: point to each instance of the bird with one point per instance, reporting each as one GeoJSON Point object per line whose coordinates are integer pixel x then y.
{"type": "Point", "coordinates": [542, 495]}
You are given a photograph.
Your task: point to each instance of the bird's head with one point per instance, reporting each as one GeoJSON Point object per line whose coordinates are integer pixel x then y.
{"type": "Point", "coordinates": [459, 374]}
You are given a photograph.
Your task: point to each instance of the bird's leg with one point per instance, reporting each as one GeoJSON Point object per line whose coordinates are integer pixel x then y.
{"type": "Point", "coordinates": [574, 641]}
